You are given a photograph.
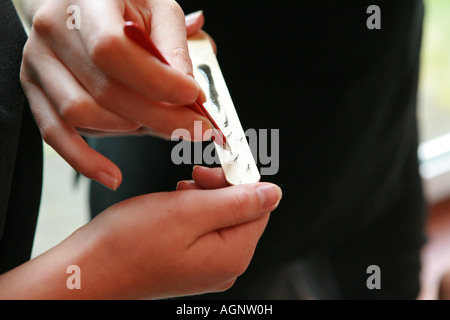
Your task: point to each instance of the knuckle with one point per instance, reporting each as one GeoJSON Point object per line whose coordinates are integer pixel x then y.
{"type": "Point", "coordinates": [101, 44]}
{"type": "Point", "coordinates": [27, 52]}
{"type": "Point", "coordinates": [102, 89]}
{"type": "Point", "coordinates": [73, 109]}
{"type": "Point", "coordinates": [28, 55]}
{"type": "Point", "coordinates": [181, 54]}
{"type": "Point", "coordinates": [44, 22]}
{"type": "Point", "coordinates": [239, 204]}
{"type": "Point", "coordinates": [24, 76]}
{"type": "Point", "coordinates": [48, 131]}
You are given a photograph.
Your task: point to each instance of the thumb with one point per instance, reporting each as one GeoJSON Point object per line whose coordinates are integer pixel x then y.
{"type": "Point", "coordinates": [211, 210]}
{"type": "Point", "coordinates": [168, 32]}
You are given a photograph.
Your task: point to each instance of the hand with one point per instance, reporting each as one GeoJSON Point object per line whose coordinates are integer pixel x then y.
{"type": "Point", "coordinates": [185, 242]}
{"type": "Point", "coordinates": [94, 80]}
{"type": "Point", "coordinates": [194, 240]}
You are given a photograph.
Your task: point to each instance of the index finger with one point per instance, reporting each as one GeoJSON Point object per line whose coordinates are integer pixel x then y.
{"type": "Point", "coordinates": [125, 61]}
{"type": "Point", "coordinates": [209, 178]}
{"type": "Point", "coordinates": [204, 178]}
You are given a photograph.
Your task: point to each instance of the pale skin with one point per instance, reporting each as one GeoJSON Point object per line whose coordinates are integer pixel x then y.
{"type": "Point", "coordinates": [101, 82]}
{"type": "Point", "coordinates": [196, 239]}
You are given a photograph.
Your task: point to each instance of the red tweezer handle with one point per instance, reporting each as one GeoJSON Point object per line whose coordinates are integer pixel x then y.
{"type": "Point", "coordinates": [135, 32]}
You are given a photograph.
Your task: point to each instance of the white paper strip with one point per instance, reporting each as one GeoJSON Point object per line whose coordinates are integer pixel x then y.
{"type": "Point", "coordinates": [238, 163]}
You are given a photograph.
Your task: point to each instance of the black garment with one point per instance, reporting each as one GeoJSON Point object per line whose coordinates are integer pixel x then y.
{"type": "Point", "coordinates": [344, 99]}
{"type": "Point", "coordinates": [20, 149]}
{"type": "Point", "coordinates": [146, 166]}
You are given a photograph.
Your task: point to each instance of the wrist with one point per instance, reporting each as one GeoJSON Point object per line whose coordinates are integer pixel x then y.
{"type": "Point", "coordinates": [50, 275]}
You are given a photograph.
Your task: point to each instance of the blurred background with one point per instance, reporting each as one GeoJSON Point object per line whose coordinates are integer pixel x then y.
{"type": "Point", "coordinates": [64, 205]}
{"type": "Point", "coordinates": [434, 94]}
{"type": "Point", "coordinates": [434, 151]}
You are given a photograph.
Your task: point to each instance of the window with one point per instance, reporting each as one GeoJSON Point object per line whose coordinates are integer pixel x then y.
{"type": "Point", "coordinates": [434, 101]}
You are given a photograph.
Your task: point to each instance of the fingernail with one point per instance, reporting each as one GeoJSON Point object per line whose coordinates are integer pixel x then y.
{"type": "Point", "coordinates": [269, 195]}
{"type": "Point", "coordinates": [202, 96]}
{"type": "Point", "coordinates": [184, 182]}
{"type": "Point", "coordinates": [194, 15]}
{"type": "Point", "coordinates": [201, 130]}
{"type": "Point", "coordinates": [107, 180]}
{"type": "Point", "coordinates": [189, 94]}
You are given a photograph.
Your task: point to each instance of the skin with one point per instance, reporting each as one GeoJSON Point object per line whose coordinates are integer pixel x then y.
{"type": "Point", "coordinates": [196, 239]}
{"type": "Point", "coordinates": [93, 89]}
{"type": "Point", "coordinates": [190, 241]}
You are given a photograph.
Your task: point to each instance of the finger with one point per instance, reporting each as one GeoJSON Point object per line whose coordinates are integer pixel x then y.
{"type": "Point", "coordinates": [161, 118]}
{"type": "Point", "coordinates": [209, 178]}
{"type": "Point", "coordinates": [187, 185]}
{"type": "Point", "coordinates": [228, 206]}
{"type": "Point", "coordinates": [121, 99]}
{"type": "Point", "coordinates": [235, 245]}
{"type": "Point", "coordinates": [168, 32]}
{"type": "Point", "coordinates": [244, 235]}
{"type": "Point", "coordinates": [113, 94]}
{"type": "Point", "coordinates": [72, 102]}
{"type": "Point", "coordinates": [68, 143]}
{"type": "Point", "coordinates": [194, 22]}
{"type": "Point", "coordinates": [125, 109]}
{"type": "Point", "coordinates": [127, 62]}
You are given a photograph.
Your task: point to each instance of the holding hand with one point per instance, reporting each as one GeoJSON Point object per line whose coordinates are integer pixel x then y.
{"type": "Point", "coordinates": [195, 240]}
{"type": "Point", "coordinates": [96, 81]}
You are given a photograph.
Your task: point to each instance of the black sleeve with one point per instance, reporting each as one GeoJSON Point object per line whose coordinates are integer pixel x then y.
{"type": "Point", "coordinates": [20, 149]}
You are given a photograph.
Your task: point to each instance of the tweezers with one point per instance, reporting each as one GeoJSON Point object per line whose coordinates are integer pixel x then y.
{"type": "Point", "coordinates": [136, 33]}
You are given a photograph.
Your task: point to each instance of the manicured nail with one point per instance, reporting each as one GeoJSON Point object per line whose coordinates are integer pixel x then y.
{"type": "Point", "coordinates": [269, 195]}
{"type": "Point", "coordinates": [107, 180]}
